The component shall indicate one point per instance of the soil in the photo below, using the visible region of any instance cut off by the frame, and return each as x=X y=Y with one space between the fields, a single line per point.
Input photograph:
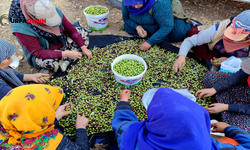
x=207 y=12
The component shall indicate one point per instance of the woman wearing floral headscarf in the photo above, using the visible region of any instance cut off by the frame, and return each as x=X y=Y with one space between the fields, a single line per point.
x=46 y=45
x=157 y=19
x=9 y=79
x=28 y=120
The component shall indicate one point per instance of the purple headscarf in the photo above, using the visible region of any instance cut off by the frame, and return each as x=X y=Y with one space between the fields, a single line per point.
x=174 y=122
x=147 y=5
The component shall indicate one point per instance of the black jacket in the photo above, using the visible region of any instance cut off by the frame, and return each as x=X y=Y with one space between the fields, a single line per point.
x=228 y=83
x=81 y=141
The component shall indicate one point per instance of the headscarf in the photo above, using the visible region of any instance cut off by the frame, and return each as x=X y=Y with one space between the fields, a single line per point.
x=7 y=75
x=239 y=26
x=147 y=5
x=27 y=115
x=18 y=10
x=174 y=122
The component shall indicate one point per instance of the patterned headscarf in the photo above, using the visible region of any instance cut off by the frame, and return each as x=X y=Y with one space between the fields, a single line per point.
x=27 y=115
x=7 y=75
x=18 y=10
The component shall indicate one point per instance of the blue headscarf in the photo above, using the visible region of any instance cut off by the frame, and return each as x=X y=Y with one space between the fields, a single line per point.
x=174 y=122
x=147 y=5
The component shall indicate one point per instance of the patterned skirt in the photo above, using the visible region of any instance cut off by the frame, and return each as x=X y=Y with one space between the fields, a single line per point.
x=237 y=94
x=55 y=64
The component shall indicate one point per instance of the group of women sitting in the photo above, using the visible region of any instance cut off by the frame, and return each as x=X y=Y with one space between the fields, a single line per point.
x=29 y=114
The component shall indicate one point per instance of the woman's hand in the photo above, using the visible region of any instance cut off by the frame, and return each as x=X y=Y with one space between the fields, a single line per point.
x=72 y=54
x=124 y=95
x=205 y=92
x=40 y=78
x=216 y=108
x=86 y=52
x=81 y=122
x=179 y=63
x=62 y=110
x=37 y=77
x=219 y=126
x=141 y=32
x=145 y=46
x=218 y=61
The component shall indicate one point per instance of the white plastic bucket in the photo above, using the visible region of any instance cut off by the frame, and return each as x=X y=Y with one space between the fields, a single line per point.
x=97 y=22
x=129 y=81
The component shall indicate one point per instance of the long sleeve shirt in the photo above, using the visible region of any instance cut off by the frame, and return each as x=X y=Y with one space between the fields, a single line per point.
x=5 y=88
x=228 y=83
x=32 y=44
x=81 y=141
x=204 y=37
x=123 y=117
x=242 y=137
x=160 y=24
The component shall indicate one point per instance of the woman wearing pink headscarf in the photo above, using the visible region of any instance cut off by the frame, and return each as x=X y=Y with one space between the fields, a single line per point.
x=46 y=45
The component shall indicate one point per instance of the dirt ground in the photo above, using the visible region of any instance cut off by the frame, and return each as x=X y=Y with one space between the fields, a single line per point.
x=207 y=12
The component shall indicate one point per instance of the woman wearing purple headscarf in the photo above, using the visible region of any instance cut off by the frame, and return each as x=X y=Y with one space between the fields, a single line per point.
x=174 y=123
x=156 y=20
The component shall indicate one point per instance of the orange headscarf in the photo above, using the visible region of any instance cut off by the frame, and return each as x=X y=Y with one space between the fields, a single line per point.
x=27 y=115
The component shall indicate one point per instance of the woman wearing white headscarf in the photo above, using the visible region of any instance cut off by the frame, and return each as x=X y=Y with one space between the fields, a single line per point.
x=55 y=42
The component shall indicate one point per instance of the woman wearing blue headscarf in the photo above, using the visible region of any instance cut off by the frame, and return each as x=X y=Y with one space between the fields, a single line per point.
x=174 y=123
x=157 y=19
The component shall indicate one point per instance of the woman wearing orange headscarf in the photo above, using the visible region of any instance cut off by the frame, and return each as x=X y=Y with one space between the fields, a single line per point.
x=28 y=120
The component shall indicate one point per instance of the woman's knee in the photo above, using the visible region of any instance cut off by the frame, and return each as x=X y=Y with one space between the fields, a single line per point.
x=180 y=30
x=208 y=79
x=129 y=30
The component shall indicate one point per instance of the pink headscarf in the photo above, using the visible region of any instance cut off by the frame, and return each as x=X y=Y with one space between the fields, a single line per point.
x=23 y=4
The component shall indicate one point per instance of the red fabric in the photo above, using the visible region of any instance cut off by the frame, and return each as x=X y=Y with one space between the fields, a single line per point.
x=248 y=81
x=228 y=140
x=202 y=51
x=231 y=46
x=71 y=30
x=35 y=48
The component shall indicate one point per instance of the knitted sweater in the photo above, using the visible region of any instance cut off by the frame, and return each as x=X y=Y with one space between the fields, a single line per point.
x=160 y=24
